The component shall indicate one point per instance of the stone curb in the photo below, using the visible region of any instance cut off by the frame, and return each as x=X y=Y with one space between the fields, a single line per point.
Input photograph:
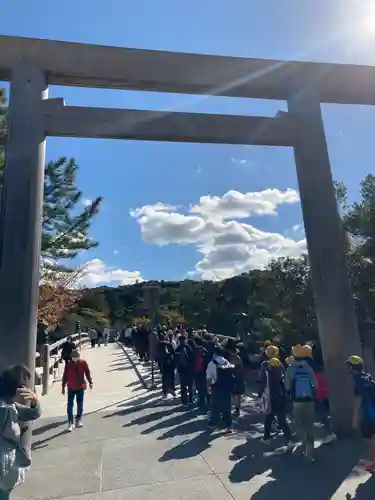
x=135 y=367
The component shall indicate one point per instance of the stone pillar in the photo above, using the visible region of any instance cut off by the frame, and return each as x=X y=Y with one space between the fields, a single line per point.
x=337 y=321
x=21 y=215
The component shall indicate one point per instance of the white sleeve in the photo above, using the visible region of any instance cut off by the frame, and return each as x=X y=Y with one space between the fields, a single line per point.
x=211 y=372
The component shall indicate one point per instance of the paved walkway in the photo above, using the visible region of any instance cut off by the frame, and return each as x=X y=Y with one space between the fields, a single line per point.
x=135 y=446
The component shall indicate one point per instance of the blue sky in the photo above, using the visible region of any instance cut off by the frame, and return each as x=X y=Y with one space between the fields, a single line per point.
x=165 y=241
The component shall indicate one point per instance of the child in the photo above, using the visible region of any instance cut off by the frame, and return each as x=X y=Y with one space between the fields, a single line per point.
x=270 y=352
x=274 y=398
x=289 y=361
x=364 y=404
x=322 y=404
x=301 y=384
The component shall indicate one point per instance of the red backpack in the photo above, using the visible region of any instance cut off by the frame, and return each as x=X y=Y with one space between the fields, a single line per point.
x=199 y=361
x=321 y=386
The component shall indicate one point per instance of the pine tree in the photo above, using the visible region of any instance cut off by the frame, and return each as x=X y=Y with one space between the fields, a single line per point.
x=65 y=228
x=65 y=231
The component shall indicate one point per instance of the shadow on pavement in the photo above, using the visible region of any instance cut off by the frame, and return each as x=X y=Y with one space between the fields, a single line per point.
x=191 y=447
x=288 y=474
x=136 y=404
x=267 y=469
x=47 y=427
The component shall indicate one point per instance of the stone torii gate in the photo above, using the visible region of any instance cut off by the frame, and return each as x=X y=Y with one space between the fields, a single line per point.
x=32 y=64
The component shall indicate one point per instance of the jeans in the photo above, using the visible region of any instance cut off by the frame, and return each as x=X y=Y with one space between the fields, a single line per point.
x=78 y=395
x=282 y=423
x=167 y=381
x=186 y=385
x=201 y=385
x=221 y=407
x=303 y=414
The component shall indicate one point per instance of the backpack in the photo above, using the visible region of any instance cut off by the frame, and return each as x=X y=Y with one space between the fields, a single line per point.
x=167 y=357
x=369 y=386
x=224 y=377
x=182 y=357
x=199 y=361
x=321 y=386
x=303 y=384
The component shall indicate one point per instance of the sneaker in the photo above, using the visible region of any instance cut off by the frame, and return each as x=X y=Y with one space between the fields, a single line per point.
x=228 y=430
x=79 y=424
x=70 y=427
x=290 y=446
x=330 y=438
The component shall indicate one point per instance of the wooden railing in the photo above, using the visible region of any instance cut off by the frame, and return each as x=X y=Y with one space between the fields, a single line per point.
x=49 y=360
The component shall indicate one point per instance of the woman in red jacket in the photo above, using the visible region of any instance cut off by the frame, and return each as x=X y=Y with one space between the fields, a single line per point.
x=75 y=375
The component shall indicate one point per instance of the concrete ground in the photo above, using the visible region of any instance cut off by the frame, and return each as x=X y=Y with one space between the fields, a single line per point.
x=135 y=446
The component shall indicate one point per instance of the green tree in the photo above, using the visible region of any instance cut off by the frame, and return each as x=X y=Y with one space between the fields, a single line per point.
x=359 y=224
x=65 y=227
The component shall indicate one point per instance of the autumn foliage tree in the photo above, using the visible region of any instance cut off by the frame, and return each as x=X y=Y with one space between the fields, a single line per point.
x=58 y=295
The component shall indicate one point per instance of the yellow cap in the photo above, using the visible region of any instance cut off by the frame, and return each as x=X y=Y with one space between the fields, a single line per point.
x=297 y=351
x=272 y=351
x=354 y=360
x=267 y=343
x=275 y=363
x=290 y=360
x=307 y=350
x=302 y=351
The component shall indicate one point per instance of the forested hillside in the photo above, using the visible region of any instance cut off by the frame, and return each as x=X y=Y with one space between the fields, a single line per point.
x=277 y=297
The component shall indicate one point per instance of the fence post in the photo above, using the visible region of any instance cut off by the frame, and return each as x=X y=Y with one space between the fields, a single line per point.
x=78 y=330
x=45 y=375
x=153 y=385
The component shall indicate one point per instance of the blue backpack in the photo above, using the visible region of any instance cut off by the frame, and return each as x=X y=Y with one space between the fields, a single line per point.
x=303 y=386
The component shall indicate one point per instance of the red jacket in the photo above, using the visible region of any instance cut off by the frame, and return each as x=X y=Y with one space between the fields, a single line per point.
x=74 y=375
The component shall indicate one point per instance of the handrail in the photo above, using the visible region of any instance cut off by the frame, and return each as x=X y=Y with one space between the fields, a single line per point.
x=60 y=342
x=49 y=360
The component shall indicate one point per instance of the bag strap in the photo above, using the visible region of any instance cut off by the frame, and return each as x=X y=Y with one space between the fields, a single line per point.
x=5 y=423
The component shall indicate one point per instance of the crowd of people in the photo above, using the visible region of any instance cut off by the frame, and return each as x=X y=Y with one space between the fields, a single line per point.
x=292 y=388
x=210 y=374
x=293 y=393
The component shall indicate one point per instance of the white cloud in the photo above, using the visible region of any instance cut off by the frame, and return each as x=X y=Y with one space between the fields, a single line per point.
x=116 y=252
x=86 y=202
x=297 y=228
x=97 y=273
x=227 y=247
x=238 y=161
x=236 y=205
